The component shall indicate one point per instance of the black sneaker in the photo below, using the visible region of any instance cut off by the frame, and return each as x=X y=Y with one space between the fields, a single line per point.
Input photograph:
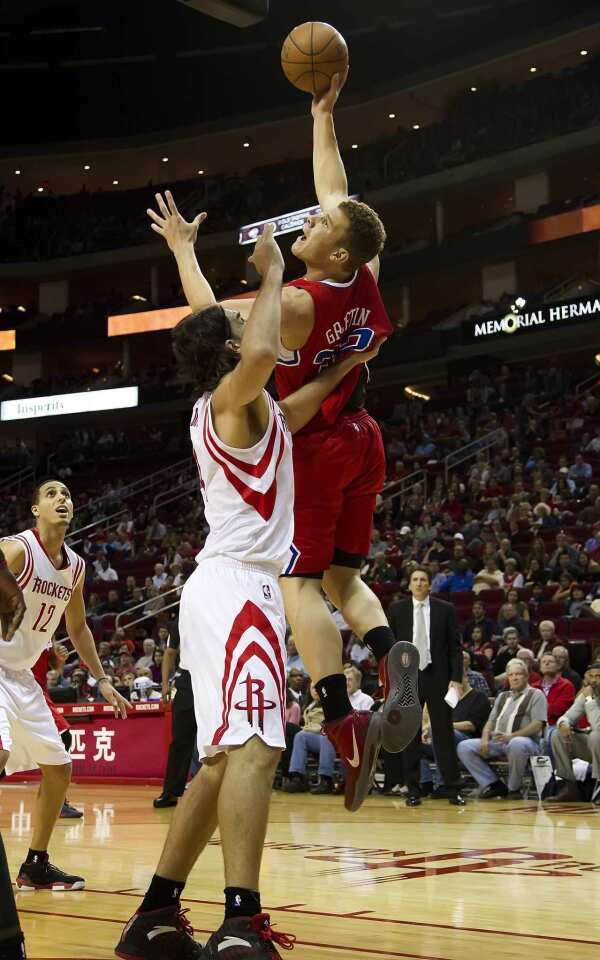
x=325 y=785
x=296 y=784
x=69 y=812
x=165 y=800
x=159 y=935
x=45 y=876
x=247 y=938
x=496 y=789
x=13 y=949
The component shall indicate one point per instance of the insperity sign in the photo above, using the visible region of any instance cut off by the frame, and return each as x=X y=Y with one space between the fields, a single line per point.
x=538 y=317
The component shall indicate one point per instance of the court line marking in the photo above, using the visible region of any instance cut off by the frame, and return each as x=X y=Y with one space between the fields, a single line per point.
x=300 y=943
x=403 y=923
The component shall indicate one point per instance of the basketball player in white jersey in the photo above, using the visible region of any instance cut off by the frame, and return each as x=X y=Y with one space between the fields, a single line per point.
x=50 y=576
x=231 y=619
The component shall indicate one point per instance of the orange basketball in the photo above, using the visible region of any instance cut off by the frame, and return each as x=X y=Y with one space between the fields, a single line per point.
x=311 y=54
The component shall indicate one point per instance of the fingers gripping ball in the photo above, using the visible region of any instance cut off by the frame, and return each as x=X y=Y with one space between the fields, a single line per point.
x=311 y=54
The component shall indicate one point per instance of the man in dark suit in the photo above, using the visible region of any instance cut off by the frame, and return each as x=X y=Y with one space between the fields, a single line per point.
x=432 y=627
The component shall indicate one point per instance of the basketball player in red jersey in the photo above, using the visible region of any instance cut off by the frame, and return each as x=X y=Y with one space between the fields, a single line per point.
x=339 y=461
x=50 y=576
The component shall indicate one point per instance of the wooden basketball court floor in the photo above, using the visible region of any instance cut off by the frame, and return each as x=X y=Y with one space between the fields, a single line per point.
x=494 y=879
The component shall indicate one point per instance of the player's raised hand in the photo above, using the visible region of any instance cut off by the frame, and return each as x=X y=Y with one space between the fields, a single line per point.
x=327 y=101
x=267 y=254
x=12 y=602
x=170 y=224
x=119 y=704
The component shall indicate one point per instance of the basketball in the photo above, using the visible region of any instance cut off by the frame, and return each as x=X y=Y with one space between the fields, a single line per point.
x=311 y=54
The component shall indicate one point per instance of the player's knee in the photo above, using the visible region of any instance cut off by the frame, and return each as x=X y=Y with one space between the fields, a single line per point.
x=59 y=774
x=264 y=759
x=4 y=755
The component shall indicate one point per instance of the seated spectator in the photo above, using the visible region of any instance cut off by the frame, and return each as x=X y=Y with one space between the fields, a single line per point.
x=561 y=655
x=358 y=699
x=311 y=739
x=160 y=576
x=570 y=743
x=54 y=680
x=509 y=618
x=130 y=585
x=478 y=619
x=112 y=604
x=104 y=571
x=293 y=714
x=512 y=732
x=490 y=577
x=439 y=576
x=581 y=473
x=512 y=577
x=146 y=660
x=563 y=590
x=559 y=693
x=537 y=597
x=577 y=605
x=525 y=656
x=511 y=644
x=547 y=640
x=512 y=596
x=566 y=566
x=469 y=717
x=297 y=682
x=80 y=684
x=136 y=599
x=476 y=679
x=156 y=665
x=359 y=652
x=461 y=580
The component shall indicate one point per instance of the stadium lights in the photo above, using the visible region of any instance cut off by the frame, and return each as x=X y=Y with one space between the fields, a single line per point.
x=40 y=189
x=244 y=283
x=17 y=173
x=246 y=144
x=392 y=116
x=473 y=89
x=355 y=146
x=584 y=53
x=200 y=172
x=164 y=159
x=8 y=378
x=138 y=296
x=533 y=69
x=115 y=183
x=86 y=166
x=415 y=395
x=22 y=309
x=597 y=359
x=416 y=126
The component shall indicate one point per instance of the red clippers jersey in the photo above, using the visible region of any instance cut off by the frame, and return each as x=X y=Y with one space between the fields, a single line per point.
x=348 y=316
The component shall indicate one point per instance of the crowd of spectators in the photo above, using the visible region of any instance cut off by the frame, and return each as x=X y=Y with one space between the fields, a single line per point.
x=474 y=125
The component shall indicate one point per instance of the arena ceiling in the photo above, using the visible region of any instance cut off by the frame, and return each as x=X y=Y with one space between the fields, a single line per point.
x=114 y=68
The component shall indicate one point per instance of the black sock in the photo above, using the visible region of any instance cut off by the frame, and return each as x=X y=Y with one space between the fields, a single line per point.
x=380 y=641
x=161 y=893
x=333 y=694
x=36 y=856
x=241 y=903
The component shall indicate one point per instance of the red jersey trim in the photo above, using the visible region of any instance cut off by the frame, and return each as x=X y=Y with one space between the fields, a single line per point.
x=25 y=575
x=263 y=503
x=249 y=616
x=78 y=570
x=252 y=469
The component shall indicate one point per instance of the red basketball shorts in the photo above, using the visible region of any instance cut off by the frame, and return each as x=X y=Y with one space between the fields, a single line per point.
x=338 y=473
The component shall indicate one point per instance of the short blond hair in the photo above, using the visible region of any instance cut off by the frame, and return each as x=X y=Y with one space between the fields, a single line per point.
x=365 y=237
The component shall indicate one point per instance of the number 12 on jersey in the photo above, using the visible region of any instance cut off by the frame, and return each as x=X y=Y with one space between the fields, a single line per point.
x=46 y=613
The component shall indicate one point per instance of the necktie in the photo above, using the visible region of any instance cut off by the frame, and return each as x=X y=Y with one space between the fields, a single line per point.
x=421 y=637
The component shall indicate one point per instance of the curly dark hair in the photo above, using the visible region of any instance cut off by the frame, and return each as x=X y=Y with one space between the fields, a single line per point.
x=199 y=345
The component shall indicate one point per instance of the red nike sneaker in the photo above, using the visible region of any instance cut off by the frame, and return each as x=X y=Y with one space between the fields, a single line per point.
x=402 y=713
x=357 y=739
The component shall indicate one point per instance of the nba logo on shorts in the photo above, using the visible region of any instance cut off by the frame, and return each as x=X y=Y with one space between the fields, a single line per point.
x=267 y=591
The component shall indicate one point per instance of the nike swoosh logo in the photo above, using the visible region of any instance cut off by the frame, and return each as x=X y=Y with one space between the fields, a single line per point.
x=233 y=942
x=356 y=758
x=156 y=931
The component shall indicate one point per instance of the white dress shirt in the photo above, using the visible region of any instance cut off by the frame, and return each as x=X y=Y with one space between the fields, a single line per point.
x=361 y=700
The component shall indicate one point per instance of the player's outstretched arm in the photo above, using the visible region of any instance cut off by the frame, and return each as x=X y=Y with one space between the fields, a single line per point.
x=180 y=236
x=301 y=406
x=331 y=183
x=83 y=641
x=260 y=343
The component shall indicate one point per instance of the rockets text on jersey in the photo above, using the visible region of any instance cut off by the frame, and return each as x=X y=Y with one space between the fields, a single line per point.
x=348 y=316
x=47 y=592
x=248 y=493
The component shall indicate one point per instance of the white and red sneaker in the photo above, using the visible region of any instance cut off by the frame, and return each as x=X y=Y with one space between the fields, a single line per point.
x=357 y=740
x=43 y=875
x=402 y=713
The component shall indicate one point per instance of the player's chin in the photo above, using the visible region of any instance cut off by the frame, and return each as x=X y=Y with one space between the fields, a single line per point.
x=299 y=248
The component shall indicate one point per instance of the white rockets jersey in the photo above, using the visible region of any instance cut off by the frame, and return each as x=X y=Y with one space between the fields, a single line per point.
x=47 y=592
x=248 y=494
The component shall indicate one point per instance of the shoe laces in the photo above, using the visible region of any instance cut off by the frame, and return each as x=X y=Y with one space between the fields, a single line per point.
x=262 y=925
x=184 y=923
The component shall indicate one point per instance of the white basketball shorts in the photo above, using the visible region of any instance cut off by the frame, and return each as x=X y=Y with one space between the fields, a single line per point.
x=232 y=641
x=27 y=728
